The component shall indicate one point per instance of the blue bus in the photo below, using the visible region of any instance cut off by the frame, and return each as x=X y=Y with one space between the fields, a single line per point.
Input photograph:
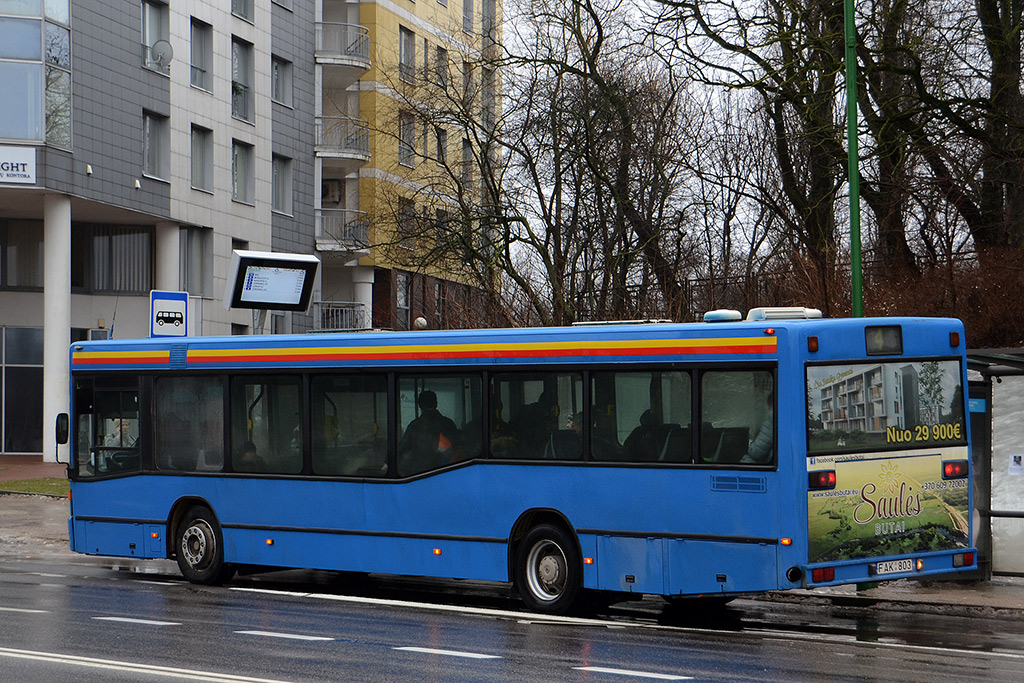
x=703 y=459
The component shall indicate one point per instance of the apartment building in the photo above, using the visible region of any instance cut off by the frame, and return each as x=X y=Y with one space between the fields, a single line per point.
x=142 y=141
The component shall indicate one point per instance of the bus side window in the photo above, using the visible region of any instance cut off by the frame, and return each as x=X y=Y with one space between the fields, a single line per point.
x=648 y=413
x=266 y=414
x=537 y=414
x=737 y=417
x=188 y=426
x=350 y=425
x=440 y=421
x=108 y=432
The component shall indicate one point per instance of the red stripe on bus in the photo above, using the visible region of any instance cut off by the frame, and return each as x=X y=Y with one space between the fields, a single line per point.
x=424 y=355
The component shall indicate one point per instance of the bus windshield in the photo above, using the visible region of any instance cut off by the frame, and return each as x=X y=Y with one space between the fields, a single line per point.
x=884 y=406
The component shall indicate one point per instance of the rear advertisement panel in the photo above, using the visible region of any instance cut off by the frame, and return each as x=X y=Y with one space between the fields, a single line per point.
x=887 y=429
x=887 y=504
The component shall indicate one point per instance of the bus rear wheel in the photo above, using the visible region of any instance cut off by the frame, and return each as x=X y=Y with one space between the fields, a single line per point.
x=547 y=570
x=199 y=548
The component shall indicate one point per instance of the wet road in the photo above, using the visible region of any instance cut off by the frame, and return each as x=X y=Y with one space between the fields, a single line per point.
x=66 y=617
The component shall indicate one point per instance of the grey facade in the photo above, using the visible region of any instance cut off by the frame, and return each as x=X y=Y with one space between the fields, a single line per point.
x=117 y=212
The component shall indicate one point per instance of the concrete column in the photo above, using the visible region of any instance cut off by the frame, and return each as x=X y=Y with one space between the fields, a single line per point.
x=362 y=289
x=167 y=275
x=57 y=317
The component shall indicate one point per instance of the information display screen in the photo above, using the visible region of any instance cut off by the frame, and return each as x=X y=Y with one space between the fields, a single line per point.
x=270 y=281
x=267 y=284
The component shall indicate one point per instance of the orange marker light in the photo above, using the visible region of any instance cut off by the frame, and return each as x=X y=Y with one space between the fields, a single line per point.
x=437 y=551
x=155 y=535
x=769 y=330
x=812 y=344
x=588 y=560
x=270 y=541
x=785 y=541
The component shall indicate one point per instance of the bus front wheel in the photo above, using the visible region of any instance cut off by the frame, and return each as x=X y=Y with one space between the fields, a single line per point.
x=199 y=548
x=547 y=570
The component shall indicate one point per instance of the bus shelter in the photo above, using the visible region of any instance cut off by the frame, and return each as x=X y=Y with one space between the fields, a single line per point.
x=996 y=381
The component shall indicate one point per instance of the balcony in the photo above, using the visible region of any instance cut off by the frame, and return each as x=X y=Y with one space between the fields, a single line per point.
x=342 y=231
x=341 y=315
x=344 y=52
x=342 y=143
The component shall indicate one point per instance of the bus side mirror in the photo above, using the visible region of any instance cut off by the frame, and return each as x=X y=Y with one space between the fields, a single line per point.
x=61 y=428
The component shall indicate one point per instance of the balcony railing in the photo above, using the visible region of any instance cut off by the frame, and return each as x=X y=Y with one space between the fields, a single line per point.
x=343 y=40
x=343 y=315
x=342 y=135
x=342 y=230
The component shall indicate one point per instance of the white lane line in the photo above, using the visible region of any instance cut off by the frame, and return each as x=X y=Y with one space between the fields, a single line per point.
x=447 y=653
x=144 y=622
x=131 y=667
x=634 y=674
x=24 y=611
x=274 y=634
x=549 y=619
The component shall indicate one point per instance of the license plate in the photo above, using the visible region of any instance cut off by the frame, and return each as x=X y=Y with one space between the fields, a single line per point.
x=894 y=566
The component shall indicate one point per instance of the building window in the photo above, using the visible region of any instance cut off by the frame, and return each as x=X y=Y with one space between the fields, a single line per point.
x=242 y=176
x=406 y=54
x=406 y=138
x=467 y=162
x=442 y=144
x=282 y=184
x=196 y=272
x=403 y=300
x=202 y=158
x=241 y=80
x=281 y=81
x=23 y=389
x=467 y=16
x=111 y=259
x=155 y=29
x=58 y=85
x=202 y=55
x=467 y=85
x=156 y=146
x=441 y=67
x=21 y=245
x=21 y=78
x=242 y=9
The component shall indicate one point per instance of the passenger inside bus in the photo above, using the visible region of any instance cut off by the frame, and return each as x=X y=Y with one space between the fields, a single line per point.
x=761 y=448
x=249 y=460
x=429 y=439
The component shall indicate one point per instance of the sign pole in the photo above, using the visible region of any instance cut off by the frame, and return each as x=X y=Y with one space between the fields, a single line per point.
x=857 y=302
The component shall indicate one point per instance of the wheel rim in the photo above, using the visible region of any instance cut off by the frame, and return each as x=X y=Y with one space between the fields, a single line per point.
x=198 y=545
x=546 y=572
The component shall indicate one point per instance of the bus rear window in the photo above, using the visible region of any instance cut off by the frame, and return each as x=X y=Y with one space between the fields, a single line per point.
x=873 y=406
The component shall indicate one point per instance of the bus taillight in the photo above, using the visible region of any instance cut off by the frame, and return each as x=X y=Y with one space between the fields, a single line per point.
x=954 y=469
x=963 y=560
x=823 y=574
x=822 y=480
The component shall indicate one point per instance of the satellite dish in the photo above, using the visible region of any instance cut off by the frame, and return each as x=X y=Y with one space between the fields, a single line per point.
x=162 y=53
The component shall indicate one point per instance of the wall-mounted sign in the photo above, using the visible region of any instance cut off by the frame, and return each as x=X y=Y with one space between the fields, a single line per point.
x=18 y=165
x=168 y=314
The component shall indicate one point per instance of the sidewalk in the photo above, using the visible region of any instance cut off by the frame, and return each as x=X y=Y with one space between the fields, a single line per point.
x=1003 y=597
x=16 y=467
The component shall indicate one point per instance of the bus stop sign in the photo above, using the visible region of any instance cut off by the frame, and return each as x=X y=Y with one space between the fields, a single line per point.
x=168 y=314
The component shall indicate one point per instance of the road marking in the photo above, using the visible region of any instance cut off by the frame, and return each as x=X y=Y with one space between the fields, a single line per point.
x=635 y=674
x=131 y=667
x=145 y=622
x=274 y=634
x=24 y=611
x=447 y=653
